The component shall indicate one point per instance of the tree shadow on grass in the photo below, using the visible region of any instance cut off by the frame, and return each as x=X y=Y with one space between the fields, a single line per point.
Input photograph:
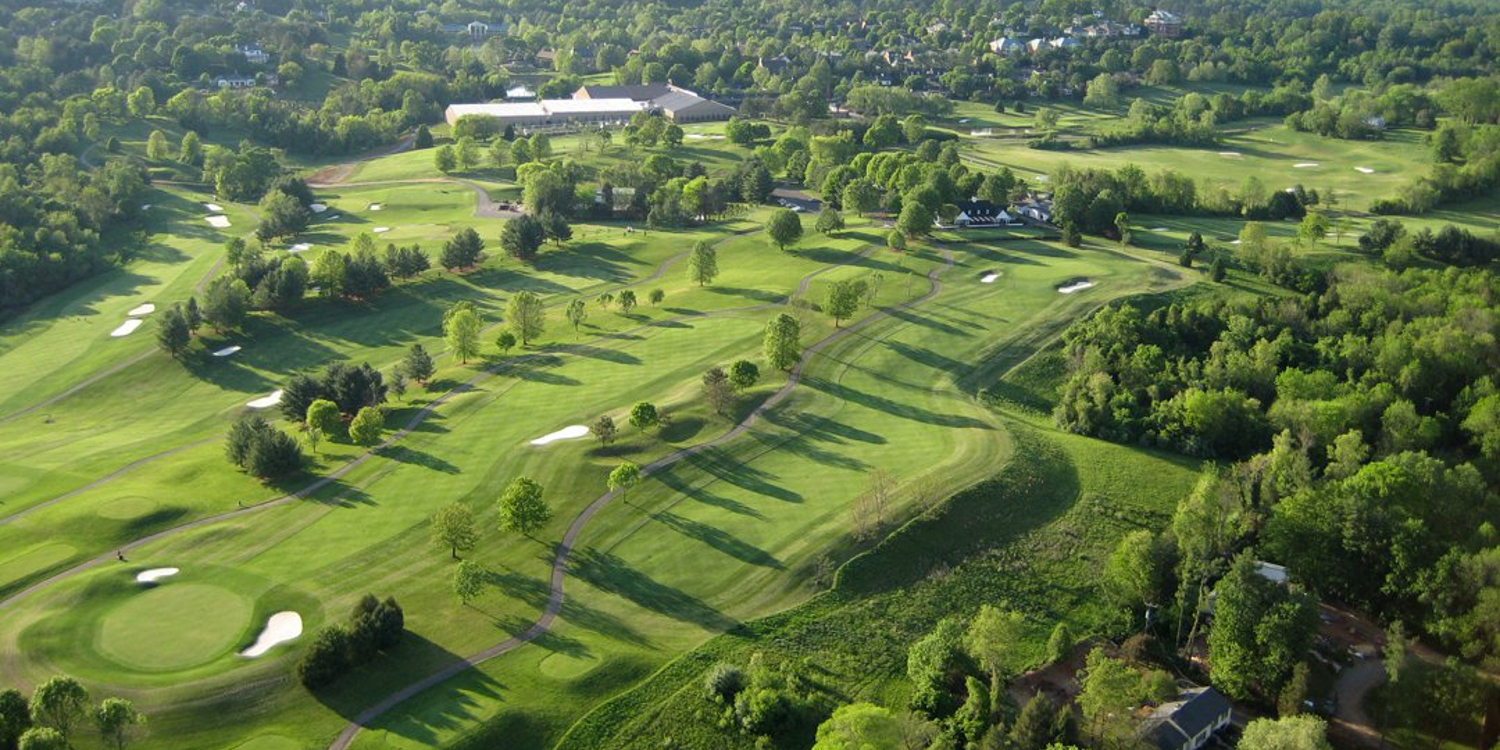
x=608 y=355
x=702 y=494
x=724 y=466
x=407 y=455
x=895 y=408
x=718 y=539
x=927 y=321
x=414 y=658
x=682 y=429
x=534 y=592
x=758 y=295
x=609 y=573
x=928 y=357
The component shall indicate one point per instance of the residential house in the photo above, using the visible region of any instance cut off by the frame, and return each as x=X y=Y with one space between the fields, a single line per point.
x=1189 y=722
x=1007 y=46
x=1035 y=206
x=1064 y=42
x=978 y=213
x=1164 y=23
x=475 y=29
x=237 y=81
x=253 y=53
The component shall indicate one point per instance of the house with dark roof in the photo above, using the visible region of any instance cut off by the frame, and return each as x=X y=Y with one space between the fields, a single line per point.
x=978 y=213
x=685 y=106
x=1189 y=722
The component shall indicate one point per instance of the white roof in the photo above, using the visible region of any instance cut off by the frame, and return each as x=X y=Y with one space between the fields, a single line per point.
x=589 y=106
x=499 y=109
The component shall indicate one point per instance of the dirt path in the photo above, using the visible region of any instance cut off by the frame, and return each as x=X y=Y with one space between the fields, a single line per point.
x=1353 y=686
x=565 y=548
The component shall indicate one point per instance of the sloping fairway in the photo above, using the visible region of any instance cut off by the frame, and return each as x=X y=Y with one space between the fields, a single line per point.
x=723 y=535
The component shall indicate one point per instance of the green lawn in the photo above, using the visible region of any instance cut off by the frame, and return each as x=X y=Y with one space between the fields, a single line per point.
x=730 y=540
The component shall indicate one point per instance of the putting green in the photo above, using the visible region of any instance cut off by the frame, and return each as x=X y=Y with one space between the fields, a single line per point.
x=566 y=666
x=174 y=626
x=132 y=506
x=269 y=742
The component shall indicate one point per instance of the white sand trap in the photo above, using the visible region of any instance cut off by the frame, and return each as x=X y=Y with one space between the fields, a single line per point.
x=1159 y=229
x=216 y=208
x=571 y=432
x=381 y=230
x=126 y=328
x=226 y=351
x=266 y=402
x=1304 y=165
x=989 y=278
x=331 y=217
x=1076 y=286
x=282 y=627
x=1231 y=154
x=1364 y=170
x=1235 y=242
x=145 y=206
x=317 y=208
x=218 y=222
x=1041 y=178
x=145 y=309
x=300 y=247
x=375 y=206
x=155 y=574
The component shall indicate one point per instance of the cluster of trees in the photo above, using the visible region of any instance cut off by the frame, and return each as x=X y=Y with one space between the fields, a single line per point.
x=360 y=273
x=1089 y=200
x=521 y=507
x=350 y=389
x=1366 y=417
x=1450 y=245
x=53 y=215
x=374 y=628
x=722 y=389
x=57 y=710
x=1468 y=166
x=254 y=445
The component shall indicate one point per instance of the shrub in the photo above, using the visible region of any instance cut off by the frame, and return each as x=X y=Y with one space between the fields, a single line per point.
x=723 y=682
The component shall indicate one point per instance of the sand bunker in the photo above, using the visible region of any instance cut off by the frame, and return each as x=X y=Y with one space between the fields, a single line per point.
x=267 y=401
x=1364 y=170
x=381 y=230
x=126 y=328
x=1159 y=229
x=989 y=278
x=375 y=206
x=331 y=217
x=145 y=309
x=1304 y=165
x=216 y=208
x=282 y=627
x=1232 y=154
x=1236 y=242
x=218 y=222
x=571 y=432
x=300 y=247
x=1076 y=286
x=226 y=351
x=145 y=206
x=155 y=574
x=318 y=208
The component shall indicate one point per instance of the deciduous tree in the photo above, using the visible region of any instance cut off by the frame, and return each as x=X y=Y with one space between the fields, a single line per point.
x=526 y=316
x=784 y=228
x=522 y=507
x=453 y=527
x=461 y=332
x=703 y=263
x=782 y=344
